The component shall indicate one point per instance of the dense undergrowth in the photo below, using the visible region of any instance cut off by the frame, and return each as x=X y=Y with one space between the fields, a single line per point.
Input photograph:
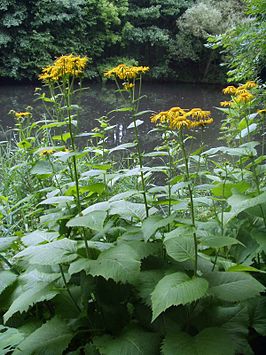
x=133 y=253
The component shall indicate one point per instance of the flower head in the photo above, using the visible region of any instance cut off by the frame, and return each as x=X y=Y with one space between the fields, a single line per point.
x=66 y=65
x=250 y=84
x=200 y=118
x=21 y=115
x=46 y=152
x=176 y=118
x=225 y=103
x=124 y=72
x=244 y=97
x=230 y=90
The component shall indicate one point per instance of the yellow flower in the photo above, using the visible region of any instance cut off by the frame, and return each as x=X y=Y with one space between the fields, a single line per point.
x=225 y=103
x=128 y=86
x=21 y=115
x=241 y=90
x=66 y=65
x=262 y=111
x=175 y=117
x=200 y=118
x=46 y=152
x=230 y=90
x=198 y=113
x=250 y=84
x=202 y=122
x=124 y=72
x=244 y=97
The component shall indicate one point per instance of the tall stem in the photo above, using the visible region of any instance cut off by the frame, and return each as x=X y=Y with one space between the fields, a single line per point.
x=67 y=288
x=192 y=212
x=222 y=219
x=135 y=110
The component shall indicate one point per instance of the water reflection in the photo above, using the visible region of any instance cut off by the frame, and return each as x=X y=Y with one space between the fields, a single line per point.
x=98 y=100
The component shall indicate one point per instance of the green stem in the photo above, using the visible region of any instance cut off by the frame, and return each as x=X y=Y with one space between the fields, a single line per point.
x=67 y=288
x=222 y=219
x=187 y=178
x=135 y=110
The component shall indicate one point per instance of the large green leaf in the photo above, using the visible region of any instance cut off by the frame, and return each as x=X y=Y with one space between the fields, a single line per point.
x=240 y=203
x=151 y=224
x=233 y=318
x=57 y=200
x=146 y=282
x=7 y=278
x=56 y=252
x=218 y=242
x=176 y=289
x=257 y=313
x=134 y=341
x=52 y=337
x=38 y=236
x=120 y=263
x=233 y=286
x=210 y=341
x=9 y=339
x=129 y=210
x=42 y=167
x=37 y=293
x=180 y=244
x=94 y=220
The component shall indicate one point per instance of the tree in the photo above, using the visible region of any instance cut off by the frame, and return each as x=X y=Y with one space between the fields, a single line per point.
x=244 y=46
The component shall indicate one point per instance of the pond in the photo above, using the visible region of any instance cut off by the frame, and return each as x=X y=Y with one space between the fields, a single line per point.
x=100 y=99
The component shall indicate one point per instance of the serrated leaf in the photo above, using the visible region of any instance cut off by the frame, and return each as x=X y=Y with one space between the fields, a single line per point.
x=37 y=293
x=240 y=203
x=52 y=337
x=219 y=242
x=42 y=167
x=9 y=339
x=120 y=263
x=233 y=286
x=179 y=244
x=7 y=278
x=56 y=252
x=38 y=236
x=57 y=200
x=94 y=220
x=128 y=210
x=124 y=195
x=134 y=341
x=146 y=283
x=257 y=312
x=209 y=341
x=176 y=289
x=151 y=224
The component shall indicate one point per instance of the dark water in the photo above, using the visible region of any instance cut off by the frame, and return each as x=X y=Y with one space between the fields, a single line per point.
x=98 y=100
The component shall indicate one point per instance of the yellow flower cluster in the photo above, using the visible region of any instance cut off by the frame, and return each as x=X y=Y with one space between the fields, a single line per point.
x=67 y=65
x=46 y=152
x=124 y=72
x=178 y=118
x=21 y=115
x=241 y=93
